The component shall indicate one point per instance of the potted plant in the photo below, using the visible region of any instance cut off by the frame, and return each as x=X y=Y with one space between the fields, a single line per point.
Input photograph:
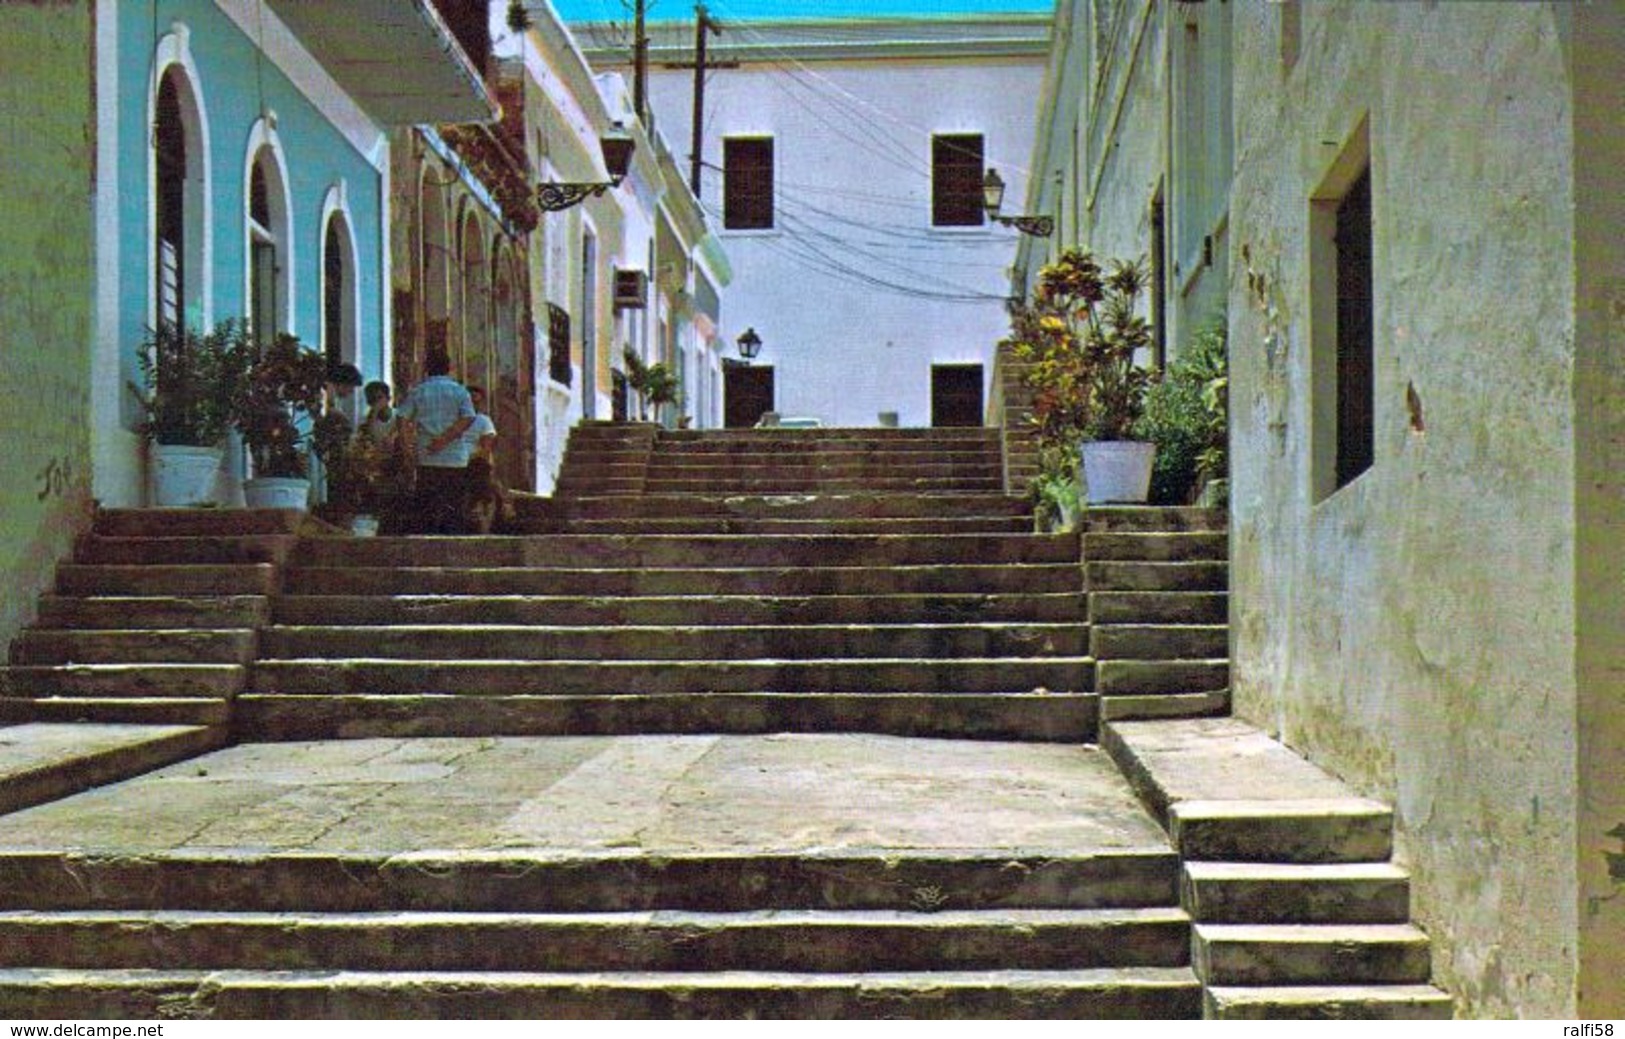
x=1187 y=416
x=655 y=384
x=355 y=468
x=1079 y=338
x=281 y=396
x=189 y=382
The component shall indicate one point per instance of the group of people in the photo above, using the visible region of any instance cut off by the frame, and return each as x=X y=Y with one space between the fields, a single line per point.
x=446 y=446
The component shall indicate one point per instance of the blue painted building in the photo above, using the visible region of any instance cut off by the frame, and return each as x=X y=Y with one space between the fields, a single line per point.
x=248 y=140
x=197 y=160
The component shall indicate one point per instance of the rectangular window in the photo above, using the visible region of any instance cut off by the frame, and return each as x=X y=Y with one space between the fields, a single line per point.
x=956 y=180
x=1354 y=332
x=1342 y=320
x=747 y=180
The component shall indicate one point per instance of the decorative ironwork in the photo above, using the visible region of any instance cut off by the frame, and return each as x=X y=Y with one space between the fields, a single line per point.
x=1037 y=226
x=555 y=197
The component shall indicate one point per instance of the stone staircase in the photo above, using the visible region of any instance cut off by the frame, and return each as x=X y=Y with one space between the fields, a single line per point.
x=1157 y=583
x=796 y=723
x=748 y=582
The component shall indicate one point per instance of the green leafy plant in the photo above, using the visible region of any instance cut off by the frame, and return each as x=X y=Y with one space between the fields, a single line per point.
x=355 y=464
x=190 y=382
x=655 y=384
x=1078 y=339
x=281 y=396
x=1186 y=414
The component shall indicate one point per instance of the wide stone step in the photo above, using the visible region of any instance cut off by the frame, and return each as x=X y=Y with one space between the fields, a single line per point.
x=1165 y=706
x=678 y=438
x=755 y=527
x=1327 y=1002
x=1310 y=954
x=173 y=646
x=1153 y=519
x=763 y=940
x=1051 y=608
x=1346 y=829
x=1271 y=893
x=816 y=484
x=1157 y=577
x=1028 y=717
x=772 y=465
x=1159 y=677
x=787 y=581
x=1158 y=547
x=1127 y=993
x=155 y=550
x=833 y=454
x=45 y=761
x=135 y=710
x=1158 y=607
x=1159 y=641
x=688 y=643
x=605 y=879
x=153 y=612
x=1280 y=808
x=692 y=551
x=780 y=506
x=188 y=580
x=138 y=523
x=630 y=677
x=109 y=681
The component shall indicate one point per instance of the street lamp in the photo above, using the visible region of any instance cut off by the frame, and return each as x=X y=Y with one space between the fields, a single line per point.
x=993 y=199
x=617 y=146
x=750 y=344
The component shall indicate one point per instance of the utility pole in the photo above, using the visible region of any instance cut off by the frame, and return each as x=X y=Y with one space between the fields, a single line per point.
x=702 y=25
x=640 y=65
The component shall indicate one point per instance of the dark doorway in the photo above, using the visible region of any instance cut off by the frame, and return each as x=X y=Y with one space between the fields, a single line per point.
x=956 y=395
x=747 y=392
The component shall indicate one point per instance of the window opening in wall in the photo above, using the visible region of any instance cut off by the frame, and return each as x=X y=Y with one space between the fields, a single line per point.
x=265 y=232
x=1159 y=281
x=956 y=180
x=558 y=344
x=1352 y=241
x=338 y=293
x=956 y=395
x=1342 y=327
x=169 y=143
x=589 y=326
x=747 y=198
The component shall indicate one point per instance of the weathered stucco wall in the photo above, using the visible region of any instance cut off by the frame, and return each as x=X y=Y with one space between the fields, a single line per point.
x=1597 y=59
x=1415 y=630
x=46 y=264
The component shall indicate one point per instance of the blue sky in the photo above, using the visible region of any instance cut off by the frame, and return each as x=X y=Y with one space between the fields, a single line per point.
x=683 y=10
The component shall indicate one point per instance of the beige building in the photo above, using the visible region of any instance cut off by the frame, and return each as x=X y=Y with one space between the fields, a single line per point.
x=1413 y=215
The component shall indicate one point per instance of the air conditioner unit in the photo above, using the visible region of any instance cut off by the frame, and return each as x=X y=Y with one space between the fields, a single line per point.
x=631 y=290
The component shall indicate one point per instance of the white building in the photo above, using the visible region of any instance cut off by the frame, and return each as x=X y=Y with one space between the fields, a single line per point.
x=843 y=162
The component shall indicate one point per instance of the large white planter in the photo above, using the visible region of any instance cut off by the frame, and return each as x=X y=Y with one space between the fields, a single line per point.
x=183 y=475
x=277 y=492
x=1117 y=471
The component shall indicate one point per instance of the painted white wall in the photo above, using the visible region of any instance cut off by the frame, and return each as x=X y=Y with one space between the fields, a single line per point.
x=852 y=155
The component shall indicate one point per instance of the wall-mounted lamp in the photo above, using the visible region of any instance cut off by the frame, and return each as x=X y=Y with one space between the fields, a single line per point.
x=750 y=344
x=993 y=199
x=618 y=146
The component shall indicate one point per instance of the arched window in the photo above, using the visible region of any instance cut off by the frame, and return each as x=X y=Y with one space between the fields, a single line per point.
x=338 y=291
x=270 y=307
x=179 y=171
x=432 y=261
x=475 y=302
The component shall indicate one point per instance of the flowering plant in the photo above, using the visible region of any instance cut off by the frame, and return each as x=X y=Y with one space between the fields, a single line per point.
x=1079 y=337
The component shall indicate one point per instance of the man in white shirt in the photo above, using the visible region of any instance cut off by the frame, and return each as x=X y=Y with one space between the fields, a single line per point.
x=435 y=415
